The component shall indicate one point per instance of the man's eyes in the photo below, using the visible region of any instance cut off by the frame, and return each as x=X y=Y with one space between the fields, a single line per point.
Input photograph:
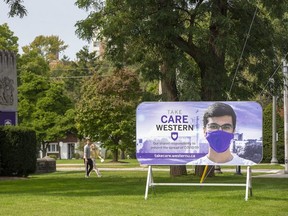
x=214 y=126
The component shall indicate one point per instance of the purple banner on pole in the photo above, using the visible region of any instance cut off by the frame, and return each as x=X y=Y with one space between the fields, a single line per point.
x=7 y=118
x=176 y=133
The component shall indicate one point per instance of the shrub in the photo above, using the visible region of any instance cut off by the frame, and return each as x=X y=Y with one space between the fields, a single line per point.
x=76 y=156
x=17 y=151
x=53 y=156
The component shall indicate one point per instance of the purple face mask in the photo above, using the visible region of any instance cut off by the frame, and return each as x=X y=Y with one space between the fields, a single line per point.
x=219 y=140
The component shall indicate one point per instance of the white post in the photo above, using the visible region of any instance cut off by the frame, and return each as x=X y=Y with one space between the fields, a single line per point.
x=248 y=183
x=274 y=148
x=148 y=182
x=285 y=73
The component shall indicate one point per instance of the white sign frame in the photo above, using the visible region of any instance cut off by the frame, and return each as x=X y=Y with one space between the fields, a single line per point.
x=248 y=185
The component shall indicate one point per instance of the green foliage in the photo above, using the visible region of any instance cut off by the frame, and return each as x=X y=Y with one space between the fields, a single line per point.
x=150 y=90
x=44 y=107
x=16 y=8
x=53 y=156
x=267 y=136
x=54 y=100
x=72 y=74
x=33 y=62
x=106 y=110
x=84 y=67
x=49 y=47
x=43 y=104
x=207 y=35
x=7 y=39
x=17 y=151
x=76 y=156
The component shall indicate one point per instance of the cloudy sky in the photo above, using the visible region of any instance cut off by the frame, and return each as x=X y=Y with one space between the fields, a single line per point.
x=47 y=17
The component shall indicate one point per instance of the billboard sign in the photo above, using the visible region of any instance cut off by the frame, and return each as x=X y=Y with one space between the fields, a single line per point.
x=199 y=133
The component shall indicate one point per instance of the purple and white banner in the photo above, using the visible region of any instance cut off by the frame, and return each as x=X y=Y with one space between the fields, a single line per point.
x=7 y=118
x=173 y=133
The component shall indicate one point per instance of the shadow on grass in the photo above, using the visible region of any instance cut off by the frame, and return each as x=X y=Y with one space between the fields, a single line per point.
x=73 y=184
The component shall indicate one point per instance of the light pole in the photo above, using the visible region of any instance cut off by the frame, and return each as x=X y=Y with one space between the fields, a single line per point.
x=285 y=73
x=274 y=148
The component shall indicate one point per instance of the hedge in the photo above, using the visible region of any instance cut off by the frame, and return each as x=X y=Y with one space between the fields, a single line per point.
x=18 y=152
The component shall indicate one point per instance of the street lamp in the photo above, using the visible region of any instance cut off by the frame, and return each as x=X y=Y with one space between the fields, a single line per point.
x=285 y=74
x=274 y=148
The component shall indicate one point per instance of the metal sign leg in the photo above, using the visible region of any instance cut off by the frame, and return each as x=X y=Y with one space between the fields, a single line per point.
x=248 y=183
x=148 y=182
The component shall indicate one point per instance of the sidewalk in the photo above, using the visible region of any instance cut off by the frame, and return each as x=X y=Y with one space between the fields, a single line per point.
x=80 y=167
x=267 y=173
x=279 y=174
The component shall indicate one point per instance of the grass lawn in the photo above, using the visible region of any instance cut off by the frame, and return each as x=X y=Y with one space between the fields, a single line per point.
x=122 y=193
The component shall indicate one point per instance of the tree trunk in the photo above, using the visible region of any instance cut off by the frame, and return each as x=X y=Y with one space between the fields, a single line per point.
x=169 y=93
x=178 y=170
x=115 y=155
x=168 y=83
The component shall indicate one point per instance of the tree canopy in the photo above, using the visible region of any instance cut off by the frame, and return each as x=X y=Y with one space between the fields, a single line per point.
x=43 y=107
x=106 y=110
x=210 y=34
x=43 y=103
x=47 y=46
x=7 y=39
x=199 y=50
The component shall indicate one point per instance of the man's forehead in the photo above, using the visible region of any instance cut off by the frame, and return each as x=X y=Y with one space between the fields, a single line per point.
x=222 y=119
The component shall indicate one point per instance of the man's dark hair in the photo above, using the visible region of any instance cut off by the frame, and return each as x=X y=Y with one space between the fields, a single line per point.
x=219 y=109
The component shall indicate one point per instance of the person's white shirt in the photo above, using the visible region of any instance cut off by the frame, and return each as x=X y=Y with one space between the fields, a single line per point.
x=236 y=160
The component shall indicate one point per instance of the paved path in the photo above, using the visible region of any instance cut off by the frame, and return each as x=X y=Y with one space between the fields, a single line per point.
x=278 y=174
x=267 y=173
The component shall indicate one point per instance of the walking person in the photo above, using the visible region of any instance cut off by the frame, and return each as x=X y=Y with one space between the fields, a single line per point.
x=87 y=157
x=94 y=155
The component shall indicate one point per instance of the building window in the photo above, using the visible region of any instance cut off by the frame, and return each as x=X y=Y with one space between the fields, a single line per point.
x=52 y=148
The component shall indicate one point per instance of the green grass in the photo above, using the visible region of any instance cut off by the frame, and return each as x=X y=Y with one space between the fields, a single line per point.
x=122 y=193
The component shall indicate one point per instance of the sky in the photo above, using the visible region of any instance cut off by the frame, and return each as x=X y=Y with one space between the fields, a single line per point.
x=47 y=17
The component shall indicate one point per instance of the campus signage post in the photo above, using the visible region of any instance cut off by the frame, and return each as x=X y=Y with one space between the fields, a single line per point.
x=173 y=133
x=7 y=118
x=8 y=88
x=285 y=94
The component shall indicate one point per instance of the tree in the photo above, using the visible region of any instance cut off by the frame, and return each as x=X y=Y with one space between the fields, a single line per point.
x=7 y=39
x=47 y=46
x=73 y=73
x=33 y=62
x=45 y=108
x=16 y=8
x=106 y=110
x=210 y=35
x=43 y=105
